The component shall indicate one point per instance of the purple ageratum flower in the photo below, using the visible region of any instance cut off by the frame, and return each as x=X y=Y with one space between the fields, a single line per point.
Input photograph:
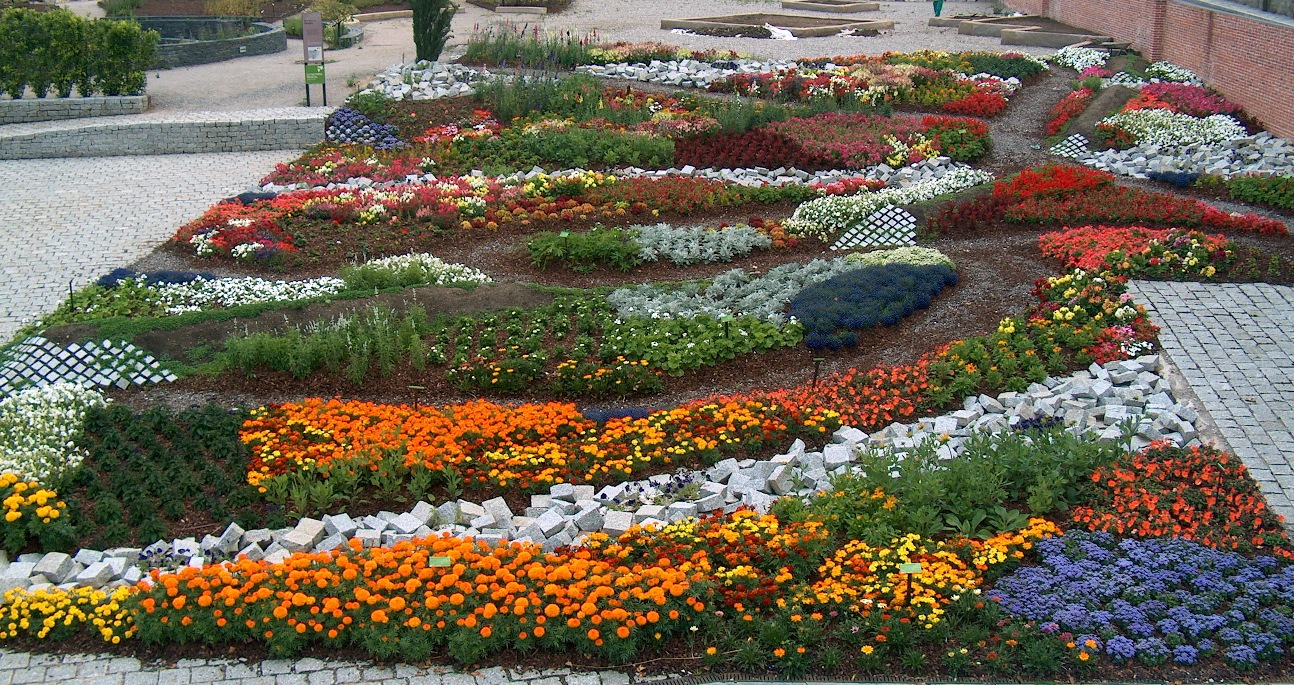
x=1144 y=595
x=1120 y=648
x=1185 y=654
x=1152 y=651
x=1241 y=656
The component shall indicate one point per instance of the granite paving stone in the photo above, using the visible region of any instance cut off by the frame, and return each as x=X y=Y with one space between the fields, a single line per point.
x=94 y=214
x=108 y=669
x=1233 y=344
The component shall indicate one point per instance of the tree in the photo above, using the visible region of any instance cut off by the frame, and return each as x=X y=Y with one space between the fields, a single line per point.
x=335 y=12
x=431 y=24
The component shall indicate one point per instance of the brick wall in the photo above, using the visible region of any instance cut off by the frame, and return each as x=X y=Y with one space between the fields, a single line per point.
x=1248 y=60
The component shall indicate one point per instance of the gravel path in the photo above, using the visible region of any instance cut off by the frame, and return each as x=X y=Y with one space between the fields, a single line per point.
x=634 y=20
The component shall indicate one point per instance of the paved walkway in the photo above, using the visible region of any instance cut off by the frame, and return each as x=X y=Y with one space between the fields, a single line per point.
x=1234 y=345
x=73 y=220
x=20 y=667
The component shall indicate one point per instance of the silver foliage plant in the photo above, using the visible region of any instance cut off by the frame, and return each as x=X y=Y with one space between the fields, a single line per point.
x=685 y=245
x=732 y=293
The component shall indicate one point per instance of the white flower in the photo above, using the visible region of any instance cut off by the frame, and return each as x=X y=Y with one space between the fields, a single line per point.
x=39 y=426
x=827 y=217
x=225 y=293
x=1077 y=58
x=1166 y=128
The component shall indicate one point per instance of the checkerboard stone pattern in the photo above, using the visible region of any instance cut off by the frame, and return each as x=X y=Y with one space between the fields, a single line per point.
x=1234 y=345
x=888 y=226
x=37 y=361
x=1073 y=147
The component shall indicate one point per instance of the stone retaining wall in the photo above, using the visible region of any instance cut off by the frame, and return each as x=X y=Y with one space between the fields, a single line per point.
x=52 y=108
x=269 y=39
x=281 y=129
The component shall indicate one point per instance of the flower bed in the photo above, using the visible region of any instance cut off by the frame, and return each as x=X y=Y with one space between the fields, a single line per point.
x=907 y=549
x=1067 y=194
x=955 y=82
x=832 y=141
x=1145 y=253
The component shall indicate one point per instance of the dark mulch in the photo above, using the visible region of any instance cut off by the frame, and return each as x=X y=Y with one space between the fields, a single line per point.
x=997 y=271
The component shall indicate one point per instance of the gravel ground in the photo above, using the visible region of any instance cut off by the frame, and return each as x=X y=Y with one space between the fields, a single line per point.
x=634 y=20
x=276 y=80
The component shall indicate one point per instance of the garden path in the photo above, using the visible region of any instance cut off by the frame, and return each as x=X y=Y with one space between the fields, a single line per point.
x=1233 y=343
x=107 y=669
x=73 y=220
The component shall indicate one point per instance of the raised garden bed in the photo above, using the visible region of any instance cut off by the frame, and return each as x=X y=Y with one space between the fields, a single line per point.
x=752 y=25
x=842 y=6
x=200 y=40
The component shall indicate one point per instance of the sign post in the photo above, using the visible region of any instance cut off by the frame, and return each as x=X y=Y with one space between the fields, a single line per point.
x=313 y=46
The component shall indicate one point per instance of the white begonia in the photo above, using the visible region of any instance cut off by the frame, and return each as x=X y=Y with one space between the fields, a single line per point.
x=439 y=271
x=1077 y=58
x=1167 y=71
x=39 y=426
x=828 y=217
x=1170 y=129
x=203 y=244
x=245 y=251
x=224 y=293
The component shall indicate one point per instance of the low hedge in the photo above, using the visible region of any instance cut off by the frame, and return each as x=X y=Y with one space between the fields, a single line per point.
x=61 y=51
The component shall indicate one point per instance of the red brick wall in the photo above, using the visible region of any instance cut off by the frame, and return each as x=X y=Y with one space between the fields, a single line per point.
x=1030 y=6
x=1247 y=60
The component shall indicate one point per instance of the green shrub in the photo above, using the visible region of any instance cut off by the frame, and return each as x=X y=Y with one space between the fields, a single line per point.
x=120 y=8
x=577 y=96
x=511 y=46
x=997 y=482
x=1277 y=191
x=372 y=104
x=293 y=26
x=61 y=50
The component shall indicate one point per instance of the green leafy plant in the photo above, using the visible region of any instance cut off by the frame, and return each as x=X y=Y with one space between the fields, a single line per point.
x=582 y=252
x=431 y=25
